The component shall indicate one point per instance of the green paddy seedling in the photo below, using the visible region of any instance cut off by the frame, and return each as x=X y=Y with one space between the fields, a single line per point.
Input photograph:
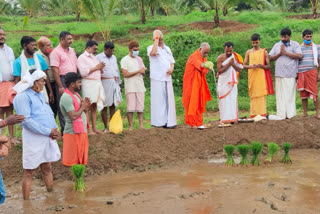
x=273 y=148
x=78 y=171
x=229 y=150
x=243 y=150
x=286 y=158
x=256 y=148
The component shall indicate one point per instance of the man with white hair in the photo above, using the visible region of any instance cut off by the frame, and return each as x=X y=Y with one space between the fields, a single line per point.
x=196 y=92
x=39 y=130
x=163 y=109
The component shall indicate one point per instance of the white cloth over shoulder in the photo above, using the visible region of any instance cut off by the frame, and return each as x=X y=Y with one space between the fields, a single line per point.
x=38 y=149
x=25 y=69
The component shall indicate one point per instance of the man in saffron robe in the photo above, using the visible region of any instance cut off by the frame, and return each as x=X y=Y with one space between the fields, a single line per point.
x=228 y=66
x=195 y=88
x=259 y=77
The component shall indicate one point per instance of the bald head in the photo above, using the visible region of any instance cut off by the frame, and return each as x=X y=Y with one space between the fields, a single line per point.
x=204 y=49
x=44 y=44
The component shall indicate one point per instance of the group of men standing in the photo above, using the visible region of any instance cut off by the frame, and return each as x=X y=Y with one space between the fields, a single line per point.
x=36 y=81
x=296 y=68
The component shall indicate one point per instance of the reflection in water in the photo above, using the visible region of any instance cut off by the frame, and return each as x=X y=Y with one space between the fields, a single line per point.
x=204 y=188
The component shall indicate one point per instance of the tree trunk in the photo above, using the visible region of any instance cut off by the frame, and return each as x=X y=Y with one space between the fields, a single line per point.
x=216 y=17
x=142 y=13
x=225 y=10
x=152 y=8
x=78 y=16
x=314 y=11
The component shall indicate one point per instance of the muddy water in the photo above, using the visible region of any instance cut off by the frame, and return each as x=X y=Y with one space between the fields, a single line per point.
x=198 y=188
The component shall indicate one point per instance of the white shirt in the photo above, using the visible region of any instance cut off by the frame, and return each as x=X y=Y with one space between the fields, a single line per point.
x=160 y=64
x=134 y=83
x=111 y=68
x=6 y=63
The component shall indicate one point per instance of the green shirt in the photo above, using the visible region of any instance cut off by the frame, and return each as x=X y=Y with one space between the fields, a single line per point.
x=66 y=105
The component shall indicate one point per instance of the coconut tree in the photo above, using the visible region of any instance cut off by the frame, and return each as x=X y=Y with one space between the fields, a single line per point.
x=76 y=6
x=100 y=11
x=31 y=6
x=58 y=7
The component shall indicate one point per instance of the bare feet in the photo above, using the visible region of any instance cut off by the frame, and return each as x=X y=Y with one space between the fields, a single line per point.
x=130 y=128
x=318 y=116
x=97 y=131
x=91 y=132
x=106 y=131
x=14 y=141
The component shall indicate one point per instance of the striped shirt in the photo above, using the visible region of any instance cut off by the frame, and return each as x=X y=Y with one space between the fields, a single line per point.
x=307 y=63
x=285 y=66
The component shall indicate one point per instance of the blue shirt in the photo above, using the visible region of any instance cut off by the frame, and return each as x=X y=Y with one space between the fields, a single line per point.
x=31 y=63
x=38 y=114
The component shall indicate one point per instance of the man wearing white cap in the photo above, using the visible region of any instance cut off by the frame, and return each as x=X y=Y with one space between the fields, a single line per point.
x=163 y=109
x=39 y=129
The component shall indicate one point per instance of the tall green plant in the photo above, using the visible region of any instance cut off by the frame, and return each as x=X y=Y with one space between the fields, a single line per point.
x=100 y=11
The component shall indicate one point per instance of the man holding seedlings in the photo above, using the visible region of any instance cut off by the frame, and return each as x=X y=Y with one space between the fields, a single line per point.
x=63 y=60
x=308 y=73
x=133 y=71
x=287 y=54
x=229 y=65
x=163 y=108
x=196 y=92
x=39 y=130
x=259 y=81
x=73 y=108
x=111 y=81
x=90 y=69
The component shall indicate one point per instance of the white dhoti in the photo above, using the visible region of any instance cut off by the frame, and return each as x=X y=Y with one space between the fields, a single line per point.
x=94 y=91
x=228 y=106
x=163 y=107
x=228 y=93
x=112 y=92
x=38 y=149
x=286 y=97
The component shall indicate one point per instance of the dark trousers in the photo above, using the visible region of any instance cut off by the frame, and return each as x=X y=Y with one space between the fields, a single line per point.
x=61 y=118
x=54 y=106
